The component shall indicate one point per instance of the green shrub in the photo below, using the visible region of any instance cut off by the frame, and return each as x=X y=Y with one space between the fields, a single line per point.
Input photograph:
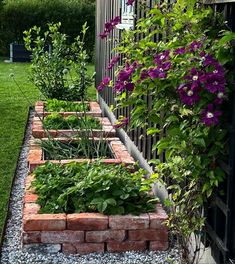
x=19 y=15
x=62 y=72
x=92 y=187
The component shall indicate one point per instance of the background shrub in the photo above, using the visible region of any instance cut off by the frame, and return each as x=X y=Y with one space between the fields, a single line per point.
x=17 y=16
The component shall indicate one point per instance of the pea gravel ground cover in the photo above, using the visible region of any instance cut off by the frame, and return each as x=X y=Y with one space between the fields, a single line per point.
x=13 y=253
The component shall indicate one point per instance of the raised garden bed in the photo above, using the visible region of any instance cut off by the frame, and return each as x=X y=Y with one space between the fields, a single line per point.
x=106 y=129
x=118 y=150
x=85 y=233
x=93 y=109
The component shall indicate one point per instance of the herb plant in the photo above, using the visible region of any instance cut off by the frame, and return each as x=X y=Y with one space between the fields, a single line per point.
x=57 y=121
x=60 y=73
x=92 y=187
x=84 y=148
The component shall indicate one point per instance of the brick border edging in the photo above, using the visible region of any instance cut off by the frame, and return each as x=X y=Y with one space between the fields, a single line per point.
x=39 y=132
x=92 y=232
x=121 y=154
x=95 y=110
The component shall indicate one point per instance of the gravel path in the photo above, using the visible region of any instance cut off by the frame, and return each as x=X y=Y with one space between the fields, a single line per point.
x=13 y=253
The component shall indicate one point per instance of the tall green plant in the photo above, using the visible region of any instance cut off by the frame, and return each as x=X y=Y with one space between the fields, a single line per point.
x=61 y=72
x=184 y=73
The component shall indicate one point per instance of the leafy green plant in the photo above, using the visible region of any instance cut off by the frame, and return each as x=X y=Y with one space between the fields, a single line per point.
x=57 y=121
x=54 y=105
x=92 y=187
x=60 y=73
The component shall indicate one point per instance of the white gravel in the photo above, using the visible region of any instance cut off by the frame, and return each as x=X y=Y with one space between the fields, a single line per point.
x=13 y=253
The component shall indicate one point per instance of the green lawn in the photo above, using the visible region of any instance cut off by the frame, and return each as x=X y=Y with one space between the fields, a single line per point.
x=13 y=117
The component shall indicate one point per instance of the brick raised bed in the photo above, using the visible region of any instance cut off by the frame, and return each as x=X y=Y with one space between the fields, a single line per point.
x=121 y=155
x=92 y=232
x=94 y=110
x=38 y=131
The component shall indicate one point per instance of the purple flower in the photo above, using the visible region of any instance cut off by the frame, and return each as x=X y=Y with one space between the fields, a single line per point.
x=156 y=73
x=129 y=86
x=162 y=57
x=180 y=51
x=103 y=35
x=215 y=83
x=109 y=26
x=124 y=75
x=130 y=2
x=104 y=82
x=219 y=98
x=116 y=20
x=113 y=61
x=195 y=45
x=196 y=76
x=121 y=123
x=144 y=75
x=210 y=116
x=188 y=93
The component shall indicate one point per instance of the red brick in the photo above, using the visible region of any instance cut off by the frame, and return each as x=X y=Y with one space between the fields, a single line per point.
x=69 y=249
x=148 y=234
x=83 y=248
x=31 y=208
x=87 y=221
x=105 y=236
x=158 y=245
x=157 y=219
x=126 y=246
x=55 y=237
x=35 y=154
x=44 y=222
x=31 y=237
x=30 y=197
x=39 y=103
x=129 y=222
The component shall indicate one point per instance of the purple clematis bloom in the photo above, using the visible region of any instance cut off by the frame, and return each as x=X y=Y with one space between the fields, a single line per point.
x=195 y=45
x=130 y=2
x=188 y=93
x=196 y=76
x=210 y=116
x=180 y=51
x=219 y=98
x=113 y=61
x=215 y=83
x=104 y=82
x=124 y=75
x=155 y=73
x=144 y=75
x=121 y=123
x=162 y=57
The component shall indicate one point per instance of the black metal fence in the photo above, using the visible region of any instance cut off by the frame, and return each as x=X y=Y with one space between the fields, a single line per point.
x=221 y=212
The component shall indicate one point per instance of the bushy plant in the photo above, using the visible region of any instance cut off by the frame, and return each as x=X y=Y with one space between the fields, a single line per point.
x=57 y=121
x=92 y=187
x=60 y=73
x=185 y=75
x=20 y=15
x=54 y=105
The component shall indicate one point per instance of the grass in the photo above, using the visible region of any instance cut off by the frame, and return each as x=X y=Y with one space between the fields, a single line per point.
x=13 y=117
